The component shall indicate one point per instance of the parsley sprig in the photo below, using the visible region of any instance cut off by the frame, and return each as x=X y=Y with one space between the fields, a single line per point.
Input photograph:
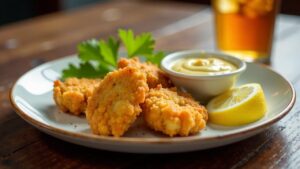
x=98 y=57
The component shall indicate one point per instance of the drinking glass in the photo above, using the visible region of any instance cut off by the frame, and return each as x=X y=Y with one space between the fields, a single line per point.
x=244 y=28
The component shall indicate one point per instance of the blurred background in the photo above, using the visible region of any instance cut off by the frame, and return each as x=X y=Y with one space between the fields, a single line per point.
x=16 y=10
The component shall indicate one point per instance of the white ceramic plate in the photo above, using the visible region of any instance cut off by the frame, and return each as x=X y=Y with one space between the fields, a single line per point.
x=31 y=97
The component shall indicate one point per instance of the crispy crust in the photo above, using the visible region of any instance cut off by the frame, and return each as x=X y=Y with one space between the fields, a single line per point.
x=71 y=96
x=173 y=113
x=115 y=103
x=154 y=75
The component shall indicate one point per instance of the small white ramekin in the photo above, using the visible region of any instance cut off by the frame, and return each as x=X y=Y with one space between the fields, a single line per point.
x=203 y=87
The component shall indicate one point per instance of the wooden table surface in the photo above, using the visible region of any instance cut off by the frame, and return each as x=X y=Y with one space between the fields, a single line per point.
x=27 y=44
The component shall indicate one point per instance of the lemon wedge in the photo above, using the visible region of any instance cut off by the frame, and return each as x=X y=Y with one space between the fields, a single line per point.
x=238 y=106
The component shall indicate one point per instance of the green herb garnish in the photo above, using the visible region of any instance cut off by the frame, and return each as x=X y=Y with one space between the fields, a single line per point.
x=98 y=57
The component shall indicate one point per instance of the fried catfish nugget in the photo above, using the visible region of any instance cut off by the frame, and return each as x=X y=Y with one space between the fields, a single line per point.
x=115 y=103
x=173 y=113
x=154 y=75
x=71 y=96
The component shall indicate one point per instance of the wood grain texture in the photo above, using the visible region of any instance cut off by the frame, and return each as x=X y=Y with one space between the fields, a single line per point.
x=58 y=30
x=176 y=26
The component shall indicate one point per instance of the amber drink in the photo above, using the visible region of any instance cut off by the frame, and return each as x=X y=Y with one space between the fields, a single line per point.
x=244 y=28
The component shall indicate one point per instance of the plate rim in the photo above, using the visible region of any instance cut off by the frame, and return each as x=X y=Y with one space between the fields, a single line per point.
x=136 y=140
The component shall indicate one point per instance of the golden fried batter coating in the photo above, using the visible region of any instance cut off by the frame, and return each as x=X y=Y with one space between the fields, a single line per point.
x=173 y=113
x=115 y=103
x=154 y=75
x=71 y=96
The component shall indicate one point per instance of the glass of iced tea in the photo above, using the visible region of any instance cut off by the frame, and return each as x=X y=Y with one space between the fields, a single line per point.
x=244 y=28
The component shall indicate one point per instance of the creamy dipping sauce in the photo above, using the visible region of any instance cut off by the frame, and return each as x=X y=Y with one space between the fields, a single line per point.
x=203 y=66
